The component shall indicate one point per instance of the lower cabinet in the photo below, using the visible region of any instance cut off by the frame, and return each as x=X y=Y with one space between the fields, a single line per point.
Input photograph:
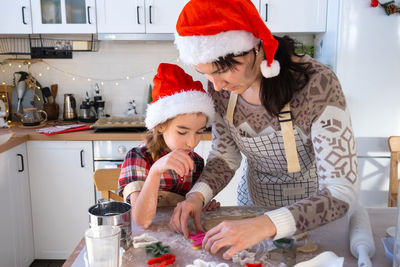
x=62 y=190
x=16 y=237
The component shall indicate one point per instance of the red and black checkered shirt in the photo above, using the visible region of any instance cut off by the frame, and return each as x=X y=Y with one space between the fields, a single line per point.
x=138 y=162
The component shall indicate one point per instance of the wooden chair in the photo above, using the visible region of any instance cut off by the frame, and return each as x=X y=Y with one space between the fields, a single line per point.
x=394 y=146
x=106 y=181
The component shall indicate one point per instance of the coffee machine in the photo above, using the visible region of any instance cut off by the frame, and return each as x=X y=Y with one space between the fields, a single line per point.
x=69 y=107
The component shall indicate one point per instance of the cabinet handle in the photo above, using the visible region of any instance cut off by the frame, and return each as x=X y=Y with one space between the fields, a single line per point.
x=82 y=164
x=23 y=15
x=22 y=162
x=150 y=14
x=88 y=14
x=266 y=12
x=137 y=14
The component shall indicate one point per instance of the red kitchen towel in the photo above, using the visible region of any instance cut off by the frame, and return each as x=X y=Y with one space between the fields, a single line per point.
x=63 y=129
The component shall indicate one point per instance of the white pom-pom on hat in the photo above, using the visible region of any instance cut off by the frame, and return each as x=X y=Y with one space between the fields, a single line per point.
x=270 y=71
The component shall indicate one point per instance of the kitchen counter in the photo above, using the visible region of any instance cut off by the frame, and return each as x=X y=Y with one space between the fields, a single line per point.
x=331 y=237
x=22 y=135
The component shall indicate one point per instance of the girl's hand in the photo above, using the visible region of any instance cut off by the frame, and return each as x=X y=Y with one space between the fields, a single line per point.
x=212 y=205
x=238 y=235
x=190 y=207
x=177 y=160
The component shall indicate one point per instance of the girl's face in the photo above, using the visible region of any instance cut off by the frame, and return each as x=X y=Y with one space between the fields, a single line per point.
x=184 y=131
x=237 y=80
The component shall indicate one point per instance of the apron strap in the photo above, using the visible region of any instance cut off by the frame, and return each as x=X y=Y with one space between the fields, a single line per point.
x=285 y=119
x=231 y=107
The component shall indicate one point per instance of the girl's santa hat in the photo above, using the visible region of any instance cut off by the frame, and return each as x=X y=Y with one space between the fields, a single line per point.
x=209 y=29
x=175 y=93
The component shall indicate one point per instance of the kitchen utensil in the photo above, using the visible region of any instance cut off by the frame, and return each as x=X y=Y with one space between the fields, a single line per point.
x=69 y=107
x=46 y=94
x=54 y=90
x=113 y=213
x=32 y=117
x=362 y=244
x=102 y=245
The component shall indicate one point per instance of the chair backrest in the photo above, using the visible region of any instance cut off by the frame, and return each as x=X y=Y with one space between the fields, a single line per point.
x=106 y=181
x=394 y=146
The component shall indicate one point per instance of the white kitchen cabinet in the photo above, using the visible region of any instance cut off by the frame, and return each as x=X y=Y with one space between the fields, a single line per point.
x=291 y=16
x=63 y=16
x=15 y=17
x=62 y=190
x=16 y=235
x=228 y=195
x=138 y=16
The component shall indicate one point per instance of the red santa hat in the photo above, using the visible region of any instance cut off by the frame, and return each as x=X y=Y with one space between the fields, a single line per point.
x=209 y=29
x=176 y=93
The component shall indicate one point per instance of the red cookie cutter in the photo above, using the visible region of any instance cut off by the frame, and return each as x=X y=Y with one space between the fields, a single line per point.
x=197 y=238
x=162 y=261
x=254 y=265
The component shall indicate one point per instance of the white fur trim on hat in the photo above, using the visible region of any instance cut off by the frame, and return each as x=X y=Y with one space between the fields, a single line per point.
x=183 y=102
x=199 y=49
x=270 y=71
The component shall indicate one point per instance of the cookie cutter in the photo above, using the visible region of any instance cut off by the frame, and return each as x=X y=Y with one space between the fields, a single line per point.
x=197 y=239
x=162 y=261
x=244 y=257
x=143 y=240
x=157 y=249
x=201 y=263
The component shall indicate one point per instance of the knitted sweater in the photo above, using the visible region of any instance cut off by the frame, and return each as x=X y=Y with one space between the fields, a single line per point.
x=323 y=122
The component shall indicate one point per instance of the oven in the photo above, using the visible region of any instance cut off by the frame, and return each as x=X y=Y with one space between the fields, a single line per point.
x=110 y=154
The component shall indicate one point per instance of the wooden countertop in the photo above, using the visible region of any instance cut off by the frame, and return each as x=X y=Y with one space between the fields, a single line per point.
x=330 y=237
x=22 y=135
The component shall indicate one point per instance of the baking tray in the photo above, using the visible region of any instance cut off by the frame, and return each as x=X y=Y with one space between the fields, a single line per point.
x=119 y=124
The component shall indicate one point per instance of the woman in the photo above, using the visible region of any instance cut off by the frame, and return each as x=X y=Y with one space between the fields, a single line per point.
x=286 y=113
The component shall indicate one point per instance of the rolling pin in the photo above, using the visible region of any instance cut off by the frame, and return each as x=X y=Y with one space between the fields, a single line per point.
x=362 y=244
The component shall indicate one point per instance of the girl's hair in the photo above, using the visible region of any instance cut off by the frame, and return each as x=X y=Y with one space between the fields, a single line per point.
x=154 y=141
x=276 y=91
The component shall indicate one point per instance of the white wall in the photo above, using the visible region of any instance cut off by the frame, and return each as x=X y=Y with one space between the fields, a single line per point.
x=114 y=61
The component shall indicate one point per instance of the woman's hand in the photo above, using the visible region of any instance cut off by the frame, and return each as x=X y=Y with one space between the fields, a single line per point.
x=191 y=206
x=238 y=235
x=212 y=205
x=177 y=160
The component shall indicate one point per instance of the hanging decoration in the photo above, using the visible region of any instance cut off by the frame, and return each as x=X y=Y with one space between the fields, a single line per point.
x=43 y=67
x=390 y=7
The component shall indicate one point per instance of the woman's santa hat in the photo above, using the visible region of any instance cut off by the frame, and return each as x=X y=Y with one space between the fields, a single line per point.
x=175 y=93
x=209 y=29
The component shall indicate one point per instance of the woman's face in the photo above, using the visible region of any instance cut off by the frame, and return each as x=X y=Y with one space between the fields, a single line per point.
x=237 y=80
x=184 y=131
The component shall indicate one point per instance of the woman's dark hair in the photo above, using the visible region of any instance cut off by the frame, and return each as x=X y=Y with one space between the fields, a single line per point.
x=276 y=91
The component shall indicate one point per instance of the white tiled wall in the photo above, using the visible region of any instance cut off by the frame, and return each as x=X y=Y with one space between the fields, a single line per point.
x=114 y=61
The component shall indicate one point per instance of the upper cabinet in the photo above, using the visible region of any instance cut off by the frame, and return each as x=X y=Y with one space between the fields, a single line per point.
x=15 y=17
x=63 y=16
x=285 y=16
x=138 y=16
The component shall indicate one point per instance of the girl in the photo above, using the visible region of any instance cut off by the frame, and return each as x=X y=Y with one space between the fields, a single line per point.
x=176 y=119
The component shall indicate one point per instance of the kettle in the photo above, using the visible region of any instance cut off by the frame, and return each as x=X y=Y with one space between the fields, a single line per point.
x=69 y=107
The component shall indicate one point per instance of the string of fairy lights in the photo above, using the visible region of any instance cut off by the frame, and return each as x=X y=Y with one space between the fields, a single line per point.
x=44 y=68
